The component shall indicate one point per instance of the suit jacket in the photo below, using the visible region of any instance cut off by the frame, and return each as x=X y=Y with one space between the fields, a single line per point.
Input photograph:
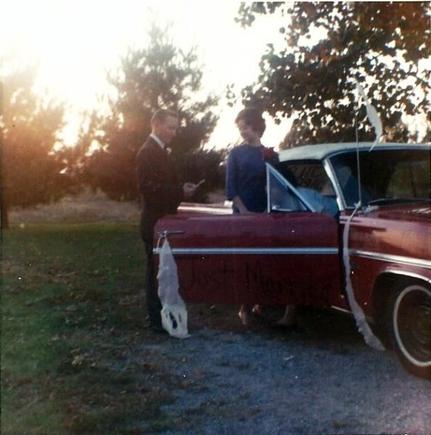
x=158 y=185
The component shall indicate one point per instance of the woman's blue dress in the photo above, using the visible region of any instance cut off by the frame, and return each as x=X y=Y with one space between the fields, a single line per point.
x=246 y=175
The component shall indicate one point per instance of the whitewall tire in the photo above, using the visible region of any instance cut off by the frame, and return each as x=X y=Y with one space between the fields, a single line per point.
x=411 y=328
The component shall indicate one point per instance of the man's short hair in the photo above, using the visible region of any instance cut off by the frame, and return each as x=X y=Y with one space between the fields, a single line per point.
x=253 y=118
x=161 y=115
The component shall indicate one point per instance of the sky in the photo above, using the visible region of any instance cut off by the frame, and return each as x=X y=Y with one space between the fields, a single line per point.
x=76 y=42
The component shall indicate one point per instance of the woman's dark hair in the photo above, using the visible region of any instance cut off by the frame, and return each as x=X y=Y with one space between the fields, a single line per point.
x=253 y=118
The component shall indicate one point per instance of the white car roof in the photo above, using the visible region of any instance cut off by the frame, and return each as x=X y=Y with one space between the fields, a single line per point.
x=322 y=151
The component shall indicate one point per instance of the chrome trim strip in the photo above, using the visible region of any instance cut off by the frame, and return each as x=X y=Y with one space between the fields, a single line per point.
x=342 y=310
x=392 y=258
x=330 y=171
x=252 y=251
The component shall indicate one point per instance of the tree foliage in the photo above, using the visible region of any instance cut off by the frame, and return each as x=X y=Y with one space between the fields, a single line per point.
x=381 y=45
x=158 y=76
x=31 y=171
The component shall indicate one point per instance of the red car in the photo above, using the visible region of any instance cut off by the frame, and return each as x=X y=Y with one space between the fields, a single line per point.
x=293 y=253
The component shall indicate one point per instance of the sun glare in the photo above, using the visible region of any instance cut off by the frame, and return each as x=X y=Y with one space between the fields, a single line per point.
x=76 y=43
x=72 y=42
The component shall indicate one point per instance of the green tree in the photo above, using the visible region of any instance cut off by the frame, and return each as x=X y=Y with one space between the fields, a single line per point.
x=158 y=76
x=31 y=171
x=381 y=45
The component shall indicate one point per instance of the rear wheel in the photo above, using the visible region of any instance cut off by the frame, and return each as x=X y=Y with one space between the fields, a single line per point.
x=410 y=327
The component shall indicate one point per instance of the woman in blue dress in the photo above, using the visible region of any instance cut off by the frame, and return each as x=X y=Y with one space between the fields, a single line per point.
x=246 y=172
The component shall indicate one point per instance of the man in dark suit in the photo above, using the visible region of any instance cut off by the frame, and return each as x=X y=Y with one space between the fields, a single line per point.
x=161 y=193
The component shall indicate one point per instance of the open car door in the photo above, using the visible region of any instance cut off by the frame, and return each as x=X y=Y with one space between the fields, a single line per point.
x=290 y=254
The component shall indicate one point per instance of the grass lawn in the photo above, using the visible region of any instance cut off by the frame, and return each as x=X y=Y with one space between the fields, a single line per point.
x=71 y=317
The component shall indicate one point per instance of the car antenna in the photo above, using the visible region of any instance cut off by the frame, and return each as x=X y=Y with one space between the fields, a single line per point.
x=358 y=164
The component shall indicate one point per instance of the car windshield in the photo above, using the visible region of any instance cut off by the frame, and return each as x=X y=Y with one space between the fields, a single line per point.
x=386 y=175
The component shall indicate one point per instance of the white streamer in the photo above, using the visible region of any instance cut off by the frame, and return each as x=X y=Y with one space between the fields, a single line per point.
x=358 y=314
x=372 y=115
x=174 y=311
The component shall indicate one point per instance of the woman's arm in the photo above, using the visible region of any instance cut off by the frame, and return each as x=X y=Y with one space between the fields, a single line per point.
x=232 y=183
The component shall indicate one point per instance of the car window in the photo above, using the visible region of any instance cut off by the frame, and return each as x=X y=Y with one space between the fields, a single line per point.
x=282 y=195
x=312 y=183
x=309 y=174
x=410 y=178
x=385 y=174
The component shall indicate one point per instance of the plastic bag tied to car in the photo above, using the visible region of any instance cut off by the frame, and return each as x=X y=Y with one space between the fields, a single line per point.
x=174 y=311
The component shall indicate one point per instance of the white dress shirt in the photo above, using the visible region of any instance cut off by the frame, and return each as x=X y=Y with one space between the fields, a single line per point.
x=158 y=141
